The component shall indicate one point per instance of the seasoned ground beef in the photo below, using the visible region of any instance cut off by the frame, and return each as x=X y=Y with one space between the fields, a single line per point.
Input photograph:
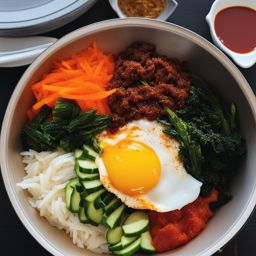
x=145 y=82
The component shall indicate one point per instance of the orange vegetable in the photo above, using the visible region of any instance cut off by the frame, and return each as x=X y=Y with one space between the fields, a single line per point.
x=49 y=100
x=82 y=78
x=30 y=114
x=92 y=96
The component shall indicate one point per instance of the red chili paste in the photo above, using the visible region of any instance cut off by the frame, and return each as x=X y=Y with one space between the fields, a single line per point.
x=172 y=229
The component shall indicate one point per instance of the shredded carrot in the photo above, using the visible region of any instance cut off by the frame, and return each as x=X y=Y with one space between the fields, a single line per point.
x=30 y=114
x=83 y=78
x=75 y=88
x=91 y=96
x=49 y=100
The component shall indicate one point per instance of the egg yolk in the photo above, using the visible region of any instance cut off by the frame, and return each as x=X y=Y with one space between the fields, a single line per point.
x=133 y=167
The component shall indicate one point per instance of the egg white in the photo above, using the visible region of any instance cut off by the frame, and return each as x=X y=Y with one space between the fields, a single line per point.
x=175 y=189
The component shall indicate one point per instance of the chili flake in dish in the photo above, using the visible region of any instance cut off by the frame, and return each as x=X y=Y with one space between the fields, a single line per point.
x=142 y=8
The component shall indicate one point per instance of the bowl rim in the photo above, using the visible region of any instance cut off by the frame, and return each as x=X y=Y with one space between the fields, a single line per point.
x=98 y=27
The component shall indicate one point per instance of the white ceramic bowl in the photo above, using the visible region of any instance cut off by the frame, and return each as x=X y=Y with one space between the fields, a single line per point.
x=113 y=36
x=244 y=60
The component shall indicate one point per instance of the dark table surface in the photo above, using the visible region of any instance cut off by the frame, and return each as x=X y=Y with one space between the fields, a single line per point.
x=14 y=238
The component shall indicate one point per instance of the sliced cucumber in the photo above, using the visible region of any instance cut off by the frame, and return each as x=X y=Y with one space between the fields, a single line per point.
x=68 y=193
x=112 y=206
x=89 y=153
x=103 y=200
x=135 y=228
x=82 y=216
x=127 y=240
x=85 y=176
x=93 y=214
x=115 y=247
x=88 y=176
x=114 y=235
x=129 y=250
x=75 y=201
x=87 y=166
x=78 y=153
x=84 y=194
x=71 y=184
x=79 y=188
x=83 y=203
x=92 y=197
x=135 y=216
x=92 y=185
x=99 y=199
x=146 y=243
x=114 y=218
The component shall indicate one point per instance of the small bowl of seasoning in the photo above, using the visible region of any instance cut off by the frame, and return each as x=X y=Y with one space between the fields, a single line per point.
x=160 y=9
x=233 y=28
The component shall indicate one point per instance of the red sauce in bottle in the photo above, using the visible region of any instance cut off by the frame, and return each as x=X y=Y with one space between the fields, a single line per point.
x=236 y=28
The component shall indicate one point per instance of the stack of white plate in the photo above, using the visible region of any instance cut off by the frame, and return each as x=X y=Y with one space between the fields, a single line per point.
x=28 y=17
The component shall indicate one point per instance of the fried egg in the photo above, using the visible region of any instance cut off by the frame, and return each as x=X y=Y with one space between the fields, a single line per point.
x=141 y=165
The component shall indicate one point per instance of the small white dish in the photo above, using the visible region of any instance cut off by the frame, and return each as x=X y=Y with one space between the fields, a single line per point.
x=165 y=14
x=244 y=60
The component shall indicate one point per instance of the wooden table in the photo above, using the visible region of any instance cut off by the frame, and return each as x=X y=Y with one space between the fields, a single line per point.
x=14 y=238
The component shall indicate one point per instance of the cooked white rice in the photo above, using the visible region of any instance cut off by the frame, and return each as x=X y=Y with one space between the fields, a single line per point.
x=47 y=173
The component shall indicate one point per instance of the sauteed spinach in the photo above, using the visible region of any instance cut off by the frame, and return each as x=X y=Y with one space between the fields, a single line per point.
x=210 y=141
x=67 y=127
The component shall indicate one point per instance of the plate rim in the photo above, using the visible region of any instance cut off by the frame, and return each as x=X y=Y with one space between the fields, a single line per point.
x=74 y=6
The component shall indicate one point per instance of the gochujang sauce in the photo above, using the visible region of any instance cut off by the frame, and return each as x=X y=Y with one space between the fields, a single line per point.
x=236 y=28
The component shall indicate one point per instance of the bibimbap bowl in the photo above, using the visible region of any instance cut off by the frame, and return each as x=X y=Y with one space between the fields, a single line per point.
x=171 y=40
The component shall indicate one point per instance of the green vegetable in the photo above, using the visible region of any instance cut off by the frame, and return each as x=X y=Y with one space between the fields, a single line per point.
x=187 y=143
x=68 y=128
x=81 y=121
x=146 y=243
x=66 y=109
x=210 y=141
x=114 y=218
x=55 y=127
x=114 y=235
x=129 y=250
x=42 y=116
x=96 y=145
x=34 y=137
x=69 y=188
x=144 y=82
